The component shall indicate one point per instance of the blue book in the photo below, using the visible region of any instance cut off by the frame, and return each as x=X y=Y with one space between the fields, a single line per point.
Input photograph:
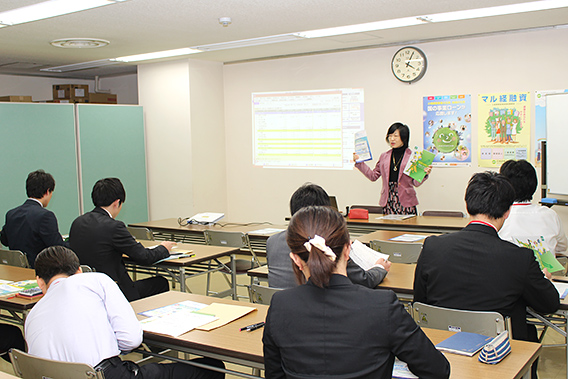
x=464 y=343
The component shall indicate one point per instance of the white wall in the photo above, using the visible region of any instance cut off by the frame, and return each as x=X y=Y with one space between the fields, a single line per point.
x=40 y=88
x=503 y=63
x=185 y=145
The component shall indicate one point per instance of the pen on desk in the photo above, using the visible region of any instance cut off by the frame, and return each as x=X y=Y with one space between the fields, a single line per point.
x=248 y=328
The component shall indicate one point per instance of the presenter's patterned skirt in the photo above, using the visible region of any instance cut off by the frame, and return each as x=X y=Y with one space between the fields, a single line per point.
x=393 y=206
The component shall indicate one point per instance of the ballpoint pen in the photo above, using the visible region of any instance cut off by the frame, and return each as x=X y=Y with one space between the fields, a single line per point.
x=248 y=328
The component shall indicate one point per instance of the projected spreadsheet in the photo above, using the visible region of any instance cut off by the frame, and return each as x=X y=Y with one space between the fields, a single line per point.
x=306 y=129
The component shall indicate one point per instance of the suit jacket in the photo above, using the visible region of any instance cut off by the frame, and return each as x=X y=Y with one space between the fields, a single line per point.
x=31 y=228
x=100 y=241
x=281 y=274
x=474 y=269
x=344 y=331
x=406 y=191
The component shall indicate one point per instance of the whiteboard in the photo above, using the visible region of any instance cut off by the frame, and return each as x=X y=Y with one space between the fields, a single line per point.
x=556 y=143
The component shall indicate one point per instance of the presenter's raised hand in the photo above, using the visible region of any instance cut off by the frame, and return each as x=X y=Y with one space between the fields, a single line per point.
x=355 y=157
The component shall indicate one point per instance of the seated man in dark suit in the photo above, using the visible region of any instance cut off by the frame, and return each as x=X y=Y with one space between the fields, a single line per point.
x=100 y=241
x=30 y=227
x=474 y=269
x=280 y=271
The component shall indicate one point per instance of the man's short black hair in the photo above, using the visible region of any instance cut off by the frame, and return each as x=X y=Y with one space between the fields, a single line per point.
x=38 y=183
x=106 y=191
x=489 y=194
x=306 y=195
x=522 y=176
x=55 y=260
x=403 y=131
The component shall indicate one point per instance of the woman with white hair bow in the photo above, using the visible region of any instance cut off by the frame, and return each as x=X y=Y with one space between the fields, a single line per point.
x=332 y=328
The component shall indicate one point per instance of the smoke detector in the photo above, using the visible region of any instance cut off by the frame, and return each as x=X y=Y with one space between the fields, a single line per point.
x=225 y=21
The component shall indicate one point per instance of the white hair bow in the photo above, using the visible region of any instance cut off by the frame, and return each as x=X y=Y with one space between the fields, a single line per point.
x=319 y=242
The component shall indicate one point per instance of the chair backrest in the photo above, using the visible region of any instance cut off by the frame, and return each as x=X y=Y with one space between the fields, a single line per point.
x=261 y=294
x=14 y=258
x=399 y=252
x=486 y=323
x=370 y=208
x=230 y=239
x=86 y=268
x=141 y=233
x=29 y=367
x=444 y=213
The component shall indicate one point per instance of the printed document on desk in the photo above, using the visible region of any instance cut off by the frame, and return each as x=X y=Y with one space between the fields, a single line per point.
x=364 y=256
x=177 y=323
x=225 y=314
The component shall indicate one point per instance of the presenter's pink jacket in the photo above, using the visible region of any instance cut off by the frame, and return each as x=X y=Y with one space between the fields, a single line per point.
x=406 y=191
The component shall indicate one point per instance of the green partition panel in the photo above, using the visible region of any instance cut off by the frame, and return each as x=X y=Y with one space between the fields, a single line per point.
x=112 y=145
x=39 y=136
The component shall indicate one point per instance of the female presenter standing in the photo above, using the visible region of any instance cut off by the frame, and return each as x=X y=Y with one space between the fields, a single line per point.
x=398 y=195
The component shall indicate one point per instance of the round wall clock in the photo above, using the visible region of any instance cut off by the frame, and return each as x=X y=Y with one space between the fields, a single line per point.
x=409 y=64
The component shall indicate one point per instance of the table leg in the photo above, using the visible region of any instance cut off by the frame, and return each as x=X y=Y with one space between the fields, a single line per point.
x=182 y=279
x=234 y=275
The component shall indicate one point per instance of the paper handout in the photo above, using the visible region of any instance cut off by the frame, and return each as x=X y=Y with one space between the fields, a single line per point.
x=364 y=256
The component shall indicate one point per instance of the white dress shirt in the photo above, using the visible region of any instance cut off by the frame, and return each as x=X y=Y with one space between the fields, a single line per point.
x=83 y=318
x=530 y=222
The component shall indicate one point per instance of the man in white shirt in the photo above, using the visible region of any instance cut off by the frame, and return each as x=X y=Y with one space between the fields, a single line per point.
x=530 y=222
x=85 y=318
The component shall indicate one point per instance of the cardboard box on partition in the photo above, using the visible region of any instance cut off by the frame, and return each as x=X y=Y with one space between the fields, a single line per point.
x=102 y=98
x=70 y=92
x=16 y=99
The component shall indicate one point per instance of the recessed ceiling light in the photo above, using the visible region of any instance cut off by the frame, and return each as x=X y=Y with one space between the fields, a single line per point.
x=79 y=43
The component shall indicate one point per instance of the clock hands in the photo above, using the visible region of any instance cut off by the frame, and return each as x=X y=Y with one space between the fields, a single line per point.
x=409 y=59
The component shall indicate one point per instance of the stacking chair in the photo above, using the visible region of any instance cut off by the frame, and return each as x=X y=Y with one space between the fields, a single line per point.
x=140 y=233
x=399 y=252
x=261 y=294
x=238 y=266
x=29 y=367
x=444 y=213
x=86 y=268
x=370 y=208
x=14 y=258
x=487 y=323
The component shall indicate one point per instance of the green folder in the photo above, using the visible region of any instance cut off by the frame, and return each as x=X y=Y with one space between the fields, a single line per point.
x=416 y=165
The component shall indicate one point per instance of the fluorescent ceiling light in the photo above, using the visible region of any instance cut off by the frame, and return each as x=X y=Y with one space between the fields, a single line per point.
x=497 y=11
x=439 y=17
x=360 y=28
x=48 y=9
x=157 y=55
x=79 y=66
x=248 y=42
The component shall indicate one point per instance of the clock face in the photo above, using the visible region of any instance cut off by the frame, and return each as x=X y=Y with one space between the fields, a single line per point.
x=409 y=64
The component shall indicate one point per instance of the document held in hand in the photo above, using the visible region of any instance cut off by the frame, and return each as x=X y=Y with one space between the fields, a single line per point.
x=364 y=256
x=362 y=148
x=417 y=163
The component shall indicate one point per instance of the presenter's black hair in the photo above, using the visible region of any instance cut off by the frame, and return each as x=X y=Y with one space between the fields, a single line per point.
x=403 y=130
x=55 y=260
x=327 y=223
x=106 y=191
x=489 y=194
x=522 y=176
x=38 y=183
x=306 y=195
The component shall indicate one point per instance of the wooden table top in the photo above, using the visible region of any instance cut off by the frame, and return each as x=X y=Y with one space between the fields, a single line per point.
x=418 y=223
x=229 y=341
x=385 y=235
x=16 y=274
x=202 y=253
x=171 y=224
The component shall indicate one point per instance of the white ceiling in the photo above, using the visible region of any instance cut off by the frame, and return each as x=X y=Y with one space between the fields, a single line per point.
x=142 y=26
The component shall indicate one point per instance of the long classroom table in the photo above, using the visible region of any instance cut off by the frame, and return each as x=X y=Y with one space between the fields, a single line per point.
x=182 y=268
x=17 y=307
x=169 y=229
x=416 y=224
x=245 y=348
